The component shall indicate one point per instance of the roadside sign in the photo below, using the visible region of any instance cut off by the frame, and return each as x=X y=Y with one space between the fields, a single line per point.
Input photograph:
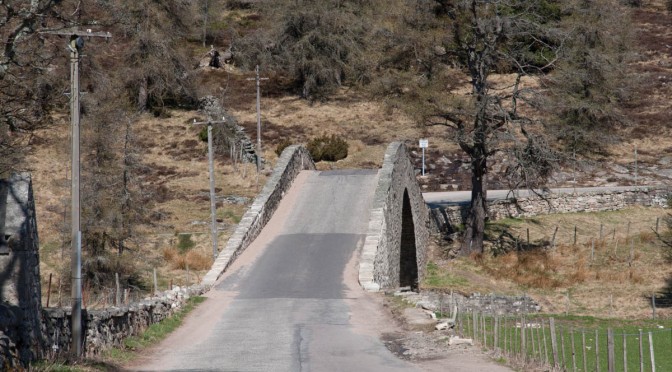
x=424 y=143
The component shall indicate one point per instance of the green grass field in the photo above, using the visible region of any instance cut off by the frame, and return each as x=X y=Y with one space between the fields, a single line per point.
x=581 y=342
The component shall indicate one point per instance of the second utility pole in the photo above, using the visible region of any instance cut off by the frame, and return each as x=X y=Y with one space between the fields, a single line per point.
x=211 y=169
x=256 y=70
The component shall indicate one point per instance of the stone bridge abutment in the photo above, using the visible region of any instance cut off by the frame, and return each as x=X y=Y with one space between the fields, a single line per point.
x=395 y=250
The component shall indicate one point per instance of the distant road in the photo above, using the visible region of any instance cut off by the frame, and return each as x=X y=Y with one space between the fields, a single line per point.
x=463 y=197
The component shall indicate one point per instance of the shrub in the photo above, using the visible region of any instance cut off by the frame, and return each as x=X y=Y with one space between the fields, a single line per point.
x=668 y=5
x=328 y=148
x=184 y=242
x=282 y=146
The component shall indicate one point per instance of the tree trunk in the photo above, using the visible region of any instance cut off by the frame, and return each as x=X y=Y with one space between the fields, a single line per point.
x=143 y=95
x=478 y=212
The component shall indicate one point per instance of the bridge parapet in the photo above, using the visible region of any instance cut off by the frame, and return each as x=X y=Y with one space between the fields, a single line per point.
x=292 y=161
x=395 y=249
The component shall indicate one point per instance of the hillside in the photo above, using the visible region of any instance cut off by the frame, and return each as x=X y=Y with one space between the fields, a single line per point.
x=175 y=159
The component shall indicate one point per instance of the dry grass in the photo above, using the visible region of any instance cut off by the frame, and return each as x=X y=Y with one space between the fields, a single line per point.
x=610 y=281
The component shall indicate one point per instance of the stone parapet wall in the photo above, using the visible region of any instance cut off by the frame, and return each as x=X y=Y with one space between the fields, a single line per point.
x=107 y=328
x=293 y=160
x=445 y=218
x=379 y=264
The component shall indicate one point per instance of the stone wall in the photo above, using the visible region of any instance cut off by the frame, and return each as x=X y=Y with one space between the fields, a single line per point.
x=293 y=160
x=381 y=257
x=20 y=293
x=444 y=218
x=489 y=304
x=107 y=328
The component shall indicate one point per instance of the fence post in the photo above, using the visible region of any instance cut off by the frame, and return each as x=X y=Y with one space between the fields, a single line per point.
x=601 y=226
x=156 y=285
x=571 y=334
x=49 y=290
x=117 y=295
x=543 y=332
x=562 y=345
x=574 y=235
x=625 y=352
x=541 y=356
x=523 y=343
x=611 y=364
x=653 y=361
x=474 y=319
x=657 y=221
x=583 y=351
x=641 y=352
x=495 y=340
x=653 y=305
x=553 y=240
x=597 y=350
x=534 y=346
x=554 y=342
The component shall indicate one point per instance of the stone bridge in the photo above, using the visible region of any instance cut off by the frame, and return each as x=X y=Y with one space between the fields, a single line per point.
x=395 y=250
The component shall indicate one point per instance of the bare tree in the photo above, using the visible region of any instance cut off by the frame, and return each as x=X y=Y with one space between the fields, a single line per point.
x=26 y=85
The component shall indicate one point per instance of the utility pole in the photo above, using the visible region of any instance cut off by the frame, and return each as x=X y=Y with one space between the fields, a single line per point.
x=211 y=166
x=205 y=21
x=75 y=45
x=257 y=78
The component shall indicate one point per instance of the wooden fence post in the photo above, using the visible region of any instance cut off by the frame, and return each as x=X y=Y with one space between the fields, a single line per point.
x=653 y=360
x=653 y=305
x=523 y=343
x=474 y=325
x=554 y=342
x=49 y=290
x=571 y=334
x=597 y=350
x=641 y=352
x=156 y=285
x=543 y=331
x=117 y=295
x=583 y=347
x=625 y=352
x=541 y=356
x=495 y=340
x=611 y=363
x=553 y=240
x=562 y=346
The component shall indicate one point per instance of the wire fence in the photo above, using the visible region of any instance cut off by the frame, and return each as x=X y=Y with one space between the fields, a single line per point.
x=545 y=343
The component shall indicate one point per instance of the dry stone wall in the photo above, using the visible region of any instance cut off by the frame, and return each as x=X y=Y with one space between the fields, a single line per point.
x=445 y=218
x=107 y=328
x=292 y=161
x=379 y=264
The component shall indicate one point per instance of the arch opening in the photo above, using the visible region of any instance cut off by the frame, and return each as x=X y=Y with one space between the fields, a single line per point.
x=408 y=263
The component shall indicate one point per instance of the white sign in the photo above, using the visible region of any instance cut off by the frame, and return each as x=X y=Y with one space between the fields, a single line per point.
x=424 y=143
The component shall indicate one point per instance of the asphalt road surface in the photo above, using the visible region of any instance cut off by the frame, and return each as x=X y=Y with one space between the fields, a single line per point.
x=463 y=197
x=289 y=308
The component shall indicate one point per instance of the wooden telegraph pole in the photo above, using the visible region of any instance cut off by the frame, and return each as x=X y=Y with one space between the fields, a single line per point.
x=257 y=78
x=211 y=166
x=75 y=45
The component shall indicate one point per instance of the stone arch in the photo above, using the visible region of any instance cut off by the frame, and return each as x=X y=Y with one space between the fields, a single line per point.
x=408 y=261
x=395 y=249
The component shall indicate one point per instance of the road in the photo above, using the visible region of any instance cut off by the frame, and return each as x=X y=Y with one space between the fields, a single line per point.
x=291 y=301
x=463 y=197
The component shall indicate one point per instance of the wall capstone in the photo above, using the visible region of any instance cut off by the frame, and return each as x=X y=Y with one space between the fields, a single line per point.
x=292 y=161
x=379 y=262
